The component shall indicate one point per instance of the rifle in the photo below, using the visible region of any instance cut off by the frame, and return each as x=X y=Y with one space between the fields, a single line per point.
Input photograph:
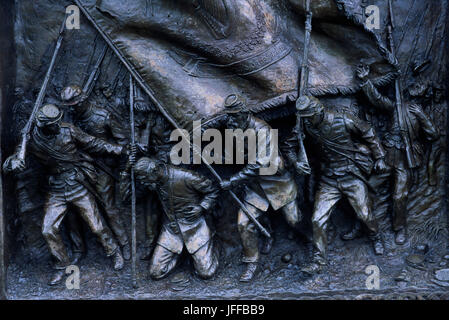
x=411 y=159
x=138 y=78
x=40 y=98
x=302 y=90
x=89 y=86
x=133 y=184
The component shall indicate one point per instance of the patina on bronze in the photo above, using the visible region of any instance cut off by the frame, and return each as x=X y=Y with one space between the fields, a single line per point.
x=360 y=109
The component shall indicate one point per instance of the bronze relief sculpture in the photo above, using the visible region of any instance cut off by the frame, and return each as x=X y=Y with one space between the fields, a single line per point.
x=209 y=144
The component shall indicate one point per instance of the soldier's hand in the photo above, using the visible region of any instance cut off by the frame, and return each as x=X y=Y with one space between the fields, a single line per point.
x=15 y=164
x=226 y=185
x=363 y=72
x=302 y=168
x=416 y=110
x=380 y=166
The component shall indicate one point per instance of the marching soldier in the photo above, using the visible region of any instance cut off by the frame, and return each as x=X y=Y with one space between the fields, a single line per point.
x=417 y=123
x=185 y=196
x=153 y=140
x=345 y=166
x=278 y=190
x=56 y=145
x=99 y=123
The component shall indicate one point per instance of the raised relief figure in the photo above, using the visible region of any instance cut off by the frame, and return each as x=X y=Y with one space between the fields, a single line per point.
x=99 y=123
x=71 y=182
x=400 y=153
x=345 y=166
x=278 y=190
x=185 y=196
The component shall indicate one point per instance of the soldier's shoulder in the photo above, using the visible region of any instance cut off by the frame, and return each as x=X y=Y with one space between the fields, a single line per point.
x=101 y=112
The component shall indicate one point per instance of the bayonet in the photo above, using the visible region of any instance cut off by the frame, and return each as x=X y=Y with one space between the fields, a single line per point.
x=411 y=159
x=302 y=90
x=40 y=98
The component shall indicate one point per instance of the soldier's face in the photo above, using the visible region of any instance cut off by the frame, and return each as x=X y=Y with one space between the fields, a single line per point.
x=438 y=96
x=417 y=90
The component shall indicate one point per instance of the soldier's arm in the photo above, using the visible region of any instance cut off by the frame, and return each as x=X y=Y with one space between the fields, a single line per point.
x=205 y=187
x=376 y=98
x=427 y=126
x=366 y=132
x=95 y=145
x=290 y=146
x=119 y=133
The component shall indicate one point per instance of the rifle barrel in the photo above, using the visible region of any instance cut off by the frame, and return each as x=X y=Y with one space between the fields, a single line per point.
x=41 y=95
x=133 y=185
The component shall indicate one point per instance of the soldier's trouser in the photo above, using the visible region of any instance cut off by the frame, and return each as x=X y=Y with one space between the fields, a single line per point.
x=106 y=190
x=55 y=211
x=205 y=261
x=400 y=195
x=330 y=191
x=151 y=218
x=249 y=233
x=75 y=233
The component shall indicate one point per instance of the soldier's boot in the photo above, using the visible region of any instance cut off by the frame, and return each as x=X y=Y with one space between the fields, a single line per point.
x=249 y=272
x=378 y=244
x=355 y=233
x=126 y=251
x=118 y=260
x=57 y=277
x=147 y=249
x=267 y=245
x=316 y=266
x=400 y=237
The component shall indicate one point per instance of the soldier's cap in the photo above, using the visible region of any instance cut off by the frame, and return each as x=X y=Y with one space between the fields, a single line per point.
x=145 y=166
x=47 y=115
x=71 y=95
x=234 y=104
x=308 y=106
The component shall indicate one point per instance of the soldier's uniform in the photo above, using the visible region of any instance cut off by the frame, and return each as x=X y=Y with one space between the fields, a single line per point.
x=344 y=167
x=99 y=123
x=153 y=137
x=418 y=123
x=278 y=190
x=180 y=191
x=70 y=173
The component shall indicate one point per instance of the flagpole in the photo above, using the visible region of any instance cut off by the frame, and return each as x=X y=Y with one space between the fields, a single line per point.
x=133 y=185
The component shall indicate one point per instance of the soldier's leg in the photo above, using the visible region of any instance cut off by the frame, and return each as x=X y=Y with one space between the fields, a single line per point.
x=292 y=214
x=89 y=212
x=400 y=200
x=358 y=196
x=152 y=210
x=105 y=187
x=326 y=198
x=75 y=233
x=249 y=235
x=55 y=210
x=162 y=262
x=400 y=197
x=205 y=260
